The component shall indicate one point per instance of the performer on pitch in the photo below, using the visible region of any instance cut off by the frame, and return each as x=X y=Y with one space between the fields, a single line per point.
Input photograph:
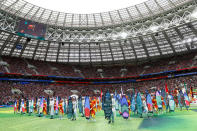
x=139 y=104
x=187 y=101
x=70 y=109
x=92 y=108
x=87 y=108
x=171 y=103
x=61 y=110
x=181 y=99
x=124 y=107
x=74 y=101
x=44 y=107
x=80 y=105
x=52 y=108
x=159 y=101
x=31 y=106
x=83 y=106
x=113 y=106
x=149 y=104
x=40 y=108
x=108 y=107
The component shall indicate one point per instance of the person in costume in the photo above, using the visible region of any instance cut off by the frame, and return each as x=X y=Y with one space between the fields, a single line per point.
x=80 y=105
x=87 y=108
x=133 y=103
x=129 y=103
x=52 y=108
x=70 y=109
x=56 y=105
x=48 y=103
x=93 y=108
x=31 y=106
x=108 y=107
x=61 y=110
x=187 y=101
x=175 y=95
x=65 y=106
x=145 y=108
x=35 y=105
x=44 y=107
x=83 y=106
x=163 y=98
x=181 y=99
x=118 y=99
x=74 y=108
x=15 y=107
x=117 y=102
x=124 y=107
x=159 y=101
x=154 y=101
x=98 y=104
x=22 y=109
x=19 y=105
x=40 y=108
x=171 y=103
x=139 y=104
x=149 y=104
x=25 y=106
x=167 y=103
x=113 y=106
x=102 y=100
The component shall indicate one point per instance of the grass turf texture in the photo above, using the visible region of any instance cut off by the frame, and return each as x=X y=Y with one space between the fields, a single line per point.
x=177 y=121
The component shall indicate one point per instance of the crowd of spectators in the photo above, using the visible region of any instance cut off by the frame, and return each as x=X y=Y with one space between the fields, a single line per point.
x=33 y=90
x=17 y=65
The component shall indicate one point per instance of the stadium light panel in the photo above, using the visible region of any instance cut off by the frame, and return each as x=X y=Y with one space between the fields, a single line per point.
x=194 y=13
x=154 y=28
x=123 y=35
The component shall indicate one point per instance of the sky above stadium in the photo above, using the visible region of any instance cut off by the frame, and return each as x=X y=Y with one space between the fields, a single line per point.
x=84 y=6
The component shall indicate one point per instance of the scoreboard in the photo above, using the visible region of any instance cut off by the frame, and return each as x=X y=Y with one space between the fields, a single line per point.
x=31 y=29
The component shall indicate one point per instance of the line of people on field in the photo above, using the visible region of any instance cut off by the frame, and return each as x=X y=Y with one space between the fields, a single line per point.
x=113 y=105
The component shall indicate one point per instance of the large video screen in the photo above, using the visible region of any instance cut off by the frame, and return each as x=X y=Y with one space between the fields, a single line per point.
x=31 y=29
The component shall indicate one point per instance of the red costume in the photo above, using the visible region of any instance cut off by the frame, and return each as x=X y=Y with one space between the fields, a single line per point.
x=45 y=107
x=98 y=105
x=154 y=101
x=61 y=107
x=93 y=107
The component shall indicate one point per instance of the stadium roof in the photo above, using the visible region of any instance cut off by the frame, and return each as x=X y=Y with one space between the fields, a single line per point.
x=155 y=28
x=85 y=6
x=147 y=9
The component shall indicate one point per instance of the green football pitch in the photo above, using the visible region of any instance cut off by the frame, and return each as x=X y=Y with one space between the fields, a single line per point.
x=177 y=121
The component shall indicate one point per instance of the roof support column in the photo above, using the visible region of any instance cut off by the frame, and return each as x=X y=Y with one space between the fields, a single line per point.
x=144 y=46
x=169 y=41
x=181 y=36
x=24 y=46
x=156 y=43
x=47 y=50
x=37 y=45
x=101 y=53
x=111 y=52
x=132 y=46
x=122 y=51
x=58 y=51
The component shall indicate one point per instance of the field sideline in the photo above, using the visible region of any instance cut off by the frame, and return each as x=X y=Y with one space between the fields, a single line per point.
x=178 y=121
